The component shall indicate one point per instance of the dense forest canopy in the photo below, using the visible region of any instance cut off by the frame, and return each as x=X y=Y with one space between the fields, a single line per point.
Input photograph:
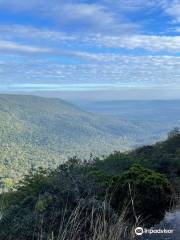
x=36 y=131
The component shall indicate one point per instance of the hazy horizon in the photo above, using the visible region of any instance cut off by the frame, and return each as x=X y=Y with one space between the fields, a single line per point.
x=105 y=95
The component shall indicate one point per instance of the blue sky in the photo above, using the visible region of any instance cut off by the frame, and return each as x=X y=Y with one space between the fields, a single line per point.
x=90 y=46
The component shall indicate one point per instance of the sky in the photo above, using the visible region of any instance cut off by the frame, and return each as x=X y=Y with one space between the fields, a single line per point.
x=91 y=49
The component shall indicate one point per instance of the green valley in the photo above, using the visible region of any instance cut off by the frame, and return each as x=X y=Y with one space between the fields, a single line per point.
x=37 y=131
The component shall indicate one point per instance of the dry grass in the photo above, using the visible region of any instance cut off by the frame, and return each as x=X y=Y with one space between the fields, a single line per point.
x=92 y=224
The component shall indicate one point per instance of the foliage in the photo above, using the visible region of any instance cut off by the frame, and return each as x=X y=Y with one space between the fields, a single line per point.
x=37 y=131
x=43 y=202
x=148 y=191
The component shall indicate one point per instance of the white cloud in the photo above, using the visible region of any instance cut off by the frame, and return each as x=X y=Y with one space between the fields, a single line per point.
x=147 y=71
x=95 y=17
x=95 y=34
x=98 y=16
x=132 y=5
x=79 y=16
x=22 y=49
x=172 y=8
x=57 y=42
x=147 y=42
x=27 y=32
x=8 y=46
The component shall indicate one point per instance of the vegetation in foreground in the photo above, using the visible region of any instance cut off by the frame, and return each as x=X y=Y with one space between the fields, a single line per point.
x=98 y=199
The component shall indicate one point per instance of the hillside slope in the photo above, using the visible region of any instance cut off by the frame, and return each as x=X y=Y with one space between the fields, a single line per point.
x=37 y=131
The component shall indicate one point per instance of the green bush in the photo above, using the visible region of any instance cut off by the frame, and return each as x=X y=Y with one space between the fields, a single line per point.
x=146 y=193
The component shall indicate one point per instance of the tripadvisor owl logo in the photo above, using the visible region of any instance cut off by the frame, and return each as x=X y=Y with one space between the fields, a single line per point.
x=139 y=231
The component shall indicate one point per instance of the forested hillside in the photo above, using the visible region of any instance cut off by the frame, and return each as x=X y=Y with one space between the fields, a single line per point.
x=37 y=131
x=97 y=199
